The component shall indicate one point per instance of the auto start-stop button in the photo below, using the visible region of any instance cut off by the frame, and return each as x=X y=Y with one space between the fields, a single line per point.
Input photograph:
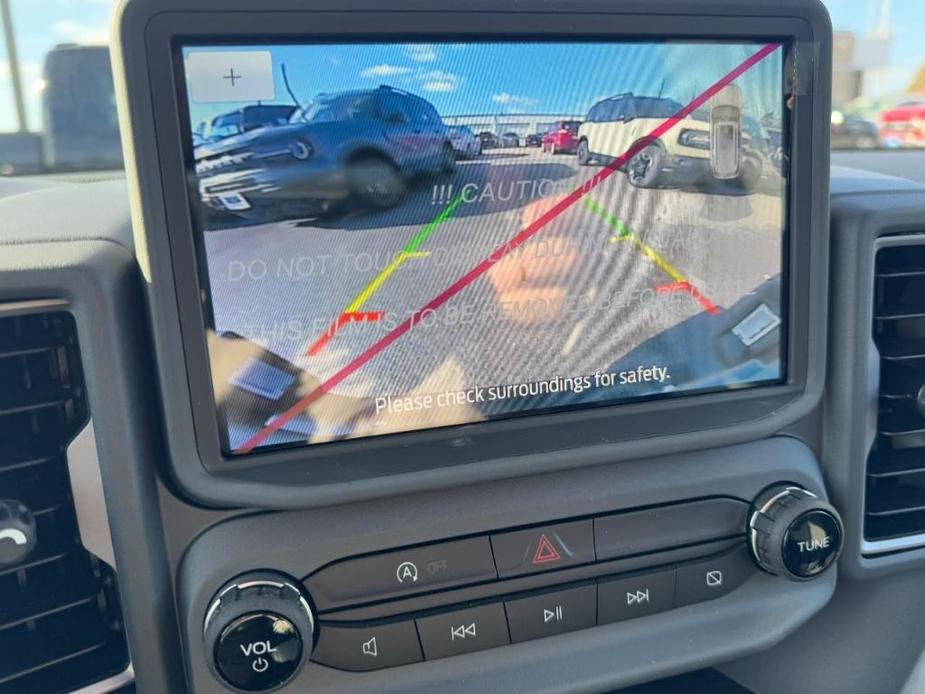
x=258 y=651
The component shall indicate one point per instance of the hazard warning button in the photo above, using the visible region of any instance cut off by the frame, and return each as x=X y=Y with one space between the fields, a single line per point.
x=543 y=549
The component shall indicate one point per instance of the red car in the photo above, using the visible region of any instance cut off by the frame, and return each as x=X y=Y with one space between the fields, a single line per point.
x=562 y=137
x=904 y=125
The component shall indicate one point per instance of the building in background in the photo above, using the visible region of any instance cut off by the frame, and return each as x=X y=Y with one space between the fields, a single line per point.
x=80 y=124
x=861 y=64
x=860 y=68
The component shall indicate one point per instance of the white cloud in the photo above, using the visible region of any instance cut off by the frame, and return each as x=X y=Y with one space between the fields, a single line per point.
x=505 y=99
x=422 y=53
x=439 y=86
x=384 y=71
x=439 y=81
x=77 y=32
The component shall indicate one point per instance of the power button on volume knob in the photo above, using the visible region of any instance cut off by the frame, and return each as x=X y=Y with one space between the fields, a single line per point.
x=793 y=533
x=258 y=632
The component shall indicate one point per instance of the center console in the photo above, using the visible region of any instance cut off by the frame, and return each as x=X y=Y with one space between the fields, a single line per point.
x=463 y=595
x=492 y=337
x=385 y=595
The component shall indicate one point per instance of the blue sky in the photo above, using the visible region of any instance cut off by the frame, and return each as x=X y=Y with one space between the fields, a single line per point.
x=40 y=24
x=505 y=78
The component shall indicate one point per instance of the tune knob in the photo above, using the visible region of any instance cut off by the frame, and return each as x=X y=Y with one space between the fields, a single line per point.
x=258 y=632
x=793 y=533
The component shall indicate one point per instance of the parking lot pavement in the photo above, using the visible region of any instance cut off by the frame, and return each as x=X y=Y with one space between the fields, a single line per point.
x=600 y=279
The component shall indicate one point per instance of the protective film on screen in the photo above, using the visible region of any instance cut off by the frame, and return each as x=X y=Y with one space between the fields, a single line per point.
x=395 y=237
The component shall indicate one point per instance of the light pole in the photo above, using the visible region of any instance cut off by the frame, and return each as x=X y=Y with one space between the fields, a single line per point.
x=12 y=56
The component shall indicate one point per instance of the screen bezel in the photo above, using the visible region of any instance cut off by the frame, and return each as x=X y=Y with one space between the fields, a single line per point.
x=180 y=45
x=400 y=462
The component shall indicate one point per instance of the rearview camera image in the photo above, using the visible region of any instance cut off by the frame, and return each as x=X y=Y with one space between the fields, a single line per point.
x=396 y=237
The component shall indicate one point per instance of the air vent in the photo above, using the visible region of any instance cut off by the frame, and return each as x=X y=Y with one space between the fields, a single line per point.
x=60 y=622
x=895 y=505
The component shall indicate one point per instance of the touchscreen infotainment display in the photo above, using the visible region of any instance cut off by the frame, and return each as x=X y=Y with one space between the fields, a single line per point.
x=405 y=236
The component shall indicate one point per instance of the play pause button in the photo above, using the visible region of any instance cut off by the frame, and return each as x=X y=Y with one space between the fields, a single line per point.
x=548 y=614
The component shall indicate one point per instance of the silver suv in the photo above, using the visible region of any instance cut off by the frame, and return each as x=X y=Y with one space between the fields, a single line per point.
x=360 y=145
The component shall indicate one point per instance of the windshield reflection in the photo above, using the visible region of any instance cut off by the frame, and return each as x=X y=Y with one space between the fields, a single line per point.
x=57 y=103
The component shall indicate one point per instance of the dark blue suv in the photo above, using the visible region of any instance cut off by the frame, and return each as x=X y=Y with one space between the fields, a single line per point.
x=361 y=146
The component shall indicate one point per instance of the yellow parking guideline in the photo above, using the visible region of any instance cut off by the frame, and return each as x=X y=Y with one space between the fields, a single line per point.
x=373 y=286
x=660 y=261
x=408 y=252
x=624 y=233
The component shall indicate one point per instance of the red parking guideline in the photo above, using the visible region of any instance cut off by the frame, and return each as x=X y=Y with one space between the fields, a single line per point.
x=692 y=291
x=342 y=320
x=277 y=422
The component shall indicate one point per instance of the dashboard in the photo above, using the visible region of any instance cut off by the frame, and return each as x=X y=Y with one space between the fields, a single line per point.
x=371 y=396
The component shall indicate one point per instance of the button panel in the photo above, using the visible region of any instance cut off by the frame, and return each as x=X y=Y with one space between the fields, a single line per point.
x=465 y=595
x=424 y=569
x=524 y=617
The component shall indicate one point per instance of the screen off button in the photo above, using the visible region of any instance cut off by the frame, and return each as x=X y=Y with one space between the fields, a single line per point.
x=221 y=76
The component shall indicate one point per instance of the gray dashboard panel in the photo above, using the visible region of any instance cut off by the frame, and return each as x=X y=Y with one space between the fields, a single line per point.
x=755 y=616
x=860 y=223
x=73 y=242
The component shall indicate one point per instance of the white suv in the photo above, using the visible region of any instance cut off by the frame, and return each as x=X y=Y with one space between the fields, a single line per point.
x=615 y=124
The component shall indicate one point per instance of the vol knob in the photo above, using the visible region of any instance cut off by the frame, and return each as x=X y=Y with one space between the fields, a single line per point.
x=793 y=533
x=258 y=632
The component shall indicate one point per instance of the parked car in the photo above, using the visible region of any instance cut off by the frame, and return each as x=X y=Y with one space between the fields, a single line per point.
x=853 y=132
x=534 y=140
x=904 y=125
x=248 y=118
x=489 y=140
x=510 y=139
x=361 y=145
x=615 y=124
x=562 y=137
x=465 y=143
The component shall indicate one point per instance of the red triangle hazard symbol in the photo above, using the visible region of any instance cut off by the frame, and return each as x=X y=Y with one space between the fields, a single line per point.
x=545 y=552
